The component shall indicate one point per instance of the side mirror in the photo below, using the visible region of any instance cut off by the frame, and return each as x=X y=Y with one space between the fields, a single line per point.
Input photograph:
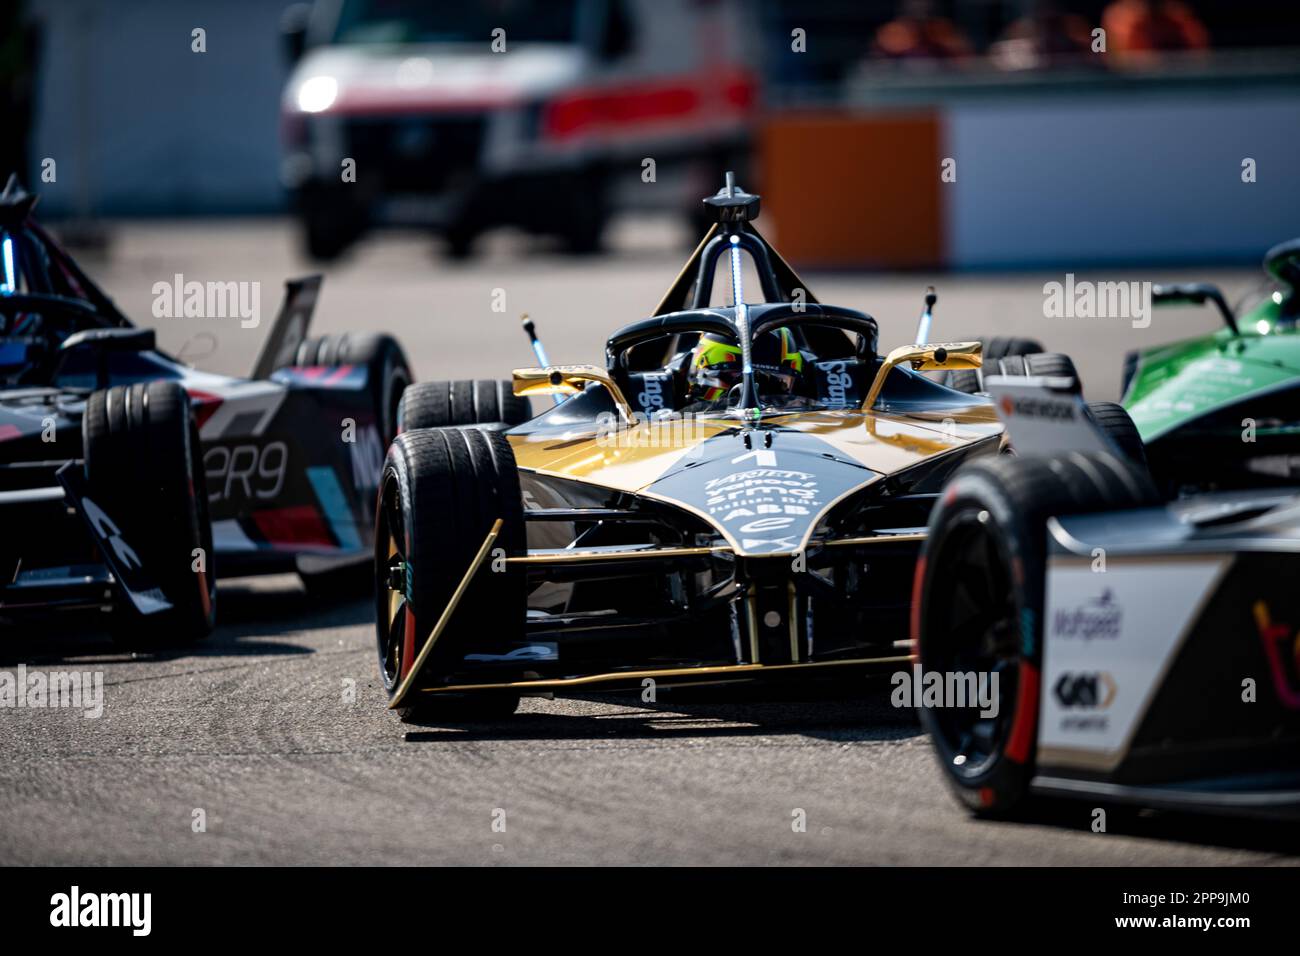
x=569 y=380
x=934 y=357
x=293 y=30
x=97 y=345
x=1195 y=293
x=111 y=339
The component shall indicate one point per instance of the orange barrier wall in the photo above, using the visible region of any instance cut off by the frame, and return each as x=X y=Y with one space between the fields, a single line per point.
x=854 y=191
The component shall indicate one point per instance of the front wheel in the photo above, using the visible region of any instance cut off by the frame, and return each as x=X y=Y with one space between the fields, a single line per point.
x=980 y=602
x=144 y=464
x=441 y=492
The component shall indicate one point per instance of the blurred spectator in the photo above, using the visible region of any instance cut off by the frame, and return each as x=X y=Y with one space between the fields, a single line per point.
x=919 y=33
x=1149 y=26
x=1044 y=36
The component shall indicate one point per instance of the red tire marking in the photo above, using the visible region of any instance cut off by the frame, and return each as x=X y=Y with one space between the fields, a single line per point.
x=1024 y=724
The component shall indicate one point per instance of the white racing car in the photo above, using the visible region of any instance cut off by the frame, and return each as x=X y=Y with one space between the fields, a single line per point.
x=1146 y=651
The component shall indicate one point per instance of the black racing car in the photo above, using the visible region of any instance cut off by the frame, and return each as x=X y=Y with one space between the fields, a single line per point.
x=129 y=480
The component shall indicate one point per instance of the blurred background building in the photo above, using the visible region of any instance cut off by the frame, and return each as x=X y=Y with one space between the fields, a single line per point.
x=968 y=134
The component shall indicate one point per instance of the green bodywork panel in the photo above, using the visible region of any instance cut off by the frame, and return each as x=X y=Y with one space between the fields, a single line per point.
x=1177 y=383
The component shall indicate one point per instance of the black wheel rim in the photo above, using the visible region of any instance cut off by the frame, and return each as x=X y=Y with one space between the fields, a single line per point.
x=974 y=629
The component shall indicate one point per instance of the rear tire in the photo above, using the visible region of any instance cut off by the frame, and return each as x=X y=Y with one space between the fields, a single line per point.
x=1114 y=420
x=996 y=348
x=387 y=370
x=442 y=489
x=974 y=615
x=388 y=376
x=144 y=463
x=448 y=404
x=1043 y=364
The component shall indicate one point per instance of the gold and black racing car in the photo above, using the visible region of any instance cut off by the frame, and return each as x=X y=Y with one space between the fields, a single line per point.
x=740 y=493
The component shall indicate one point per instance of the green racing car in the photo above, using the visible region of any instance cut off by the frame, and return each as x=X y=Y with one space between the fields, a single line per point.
x=1223 y=410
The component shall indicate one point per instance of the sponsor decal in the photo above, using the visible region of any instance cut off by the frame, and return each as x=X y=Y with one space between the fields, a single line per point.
x=1108 y=639
x=651 y=398
x=763 y=487
x=246 y=472
x=1038 y=406
x=763 y=501
x=1088 y=692
x=1099 y=618
x=837 y=383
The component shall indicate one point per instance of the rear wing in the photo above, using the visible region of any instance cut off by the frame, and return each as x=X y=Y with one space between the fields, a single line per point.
x=289 y=328
x=1046 y=416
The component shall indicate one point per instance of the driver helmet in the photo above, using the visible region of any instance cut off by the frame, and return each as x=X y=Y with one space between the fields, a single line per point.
x=715 y=367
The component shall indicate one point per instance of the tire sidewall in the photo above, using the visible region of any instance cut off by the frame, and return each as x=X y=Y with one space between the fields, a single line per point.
x=1002 y=784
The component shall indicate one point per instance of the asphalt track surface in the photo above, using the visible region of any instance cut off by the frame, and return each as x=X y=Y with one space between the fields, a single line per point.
x=256 y=728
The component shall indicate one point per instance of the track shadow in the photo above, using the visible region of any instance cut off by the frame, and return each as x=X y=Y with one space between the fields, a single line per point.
x=822 y=710
x=1281 y=838
x=245 y=609
x=840 y=712
x=248 y=618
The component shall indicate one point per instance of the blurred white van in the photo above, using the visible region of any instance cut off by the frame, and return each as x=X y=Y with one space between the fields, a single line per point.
x=535 y=113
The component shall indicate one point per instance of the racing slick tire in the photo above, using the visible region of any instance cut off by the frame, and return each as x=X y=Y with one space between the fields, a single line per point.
x=388 y=372
x=997 y=347
x=441 y=491
x=1114 y=420
x=144 y=462
x=447 y=404
x=1044 y=364
x=979 y=605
